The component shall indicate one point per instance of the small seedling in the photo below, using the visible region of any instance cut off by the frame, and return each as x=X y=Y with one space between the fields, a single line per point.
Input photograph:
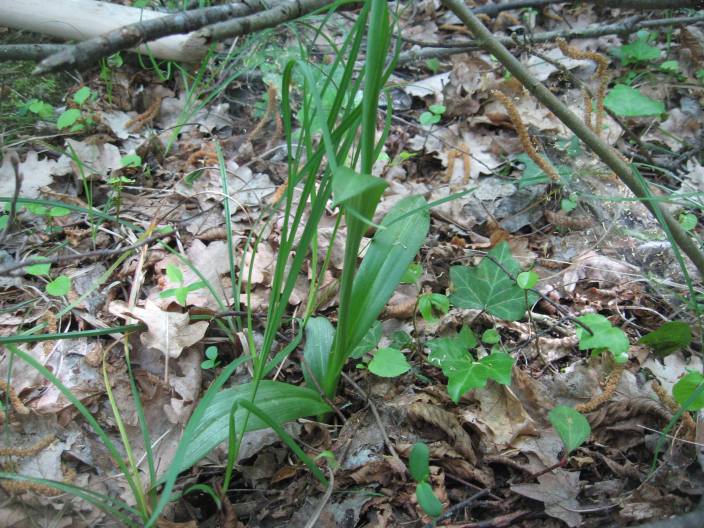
x=73 y=118
x=431 y=303
x=37 y=270
x=568 y=204
x=412 y=274
x=419 y=466
x=433 y=65
x=433 y=116
x=181 y=292
x=212 y=361
x=604 y=336
x=639 y=51
x=688 y=221
x=527 y=280
x=491 y=336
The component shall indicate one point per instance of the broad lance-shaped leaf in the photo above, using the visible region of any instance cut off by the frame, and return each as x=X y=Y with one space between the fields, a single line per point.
x=281 y=401
x=489 y=287
x=385 y=262
x=320 y=334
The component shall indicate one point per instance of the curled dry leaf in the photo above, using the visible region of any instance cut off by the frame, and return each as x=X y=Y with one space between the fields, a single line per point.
x=168 y=332
x=448 y=423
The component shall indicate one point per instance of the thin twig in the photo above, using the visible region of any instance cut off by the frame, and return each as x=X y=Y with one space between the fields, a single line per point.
x=375 y=413
x=460 y=505
x=15 y=162
x=628 y=26
x=79 y=256
x=322 y=502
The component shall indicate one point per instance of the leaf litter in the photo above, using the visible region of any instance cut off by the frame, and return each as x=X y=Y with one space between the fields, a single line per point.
x=497 y=437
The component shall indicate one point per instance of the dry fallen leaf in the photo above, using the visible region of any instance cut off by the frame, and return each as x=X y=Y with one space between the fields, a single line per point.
x=168 y=332
x=558 y=490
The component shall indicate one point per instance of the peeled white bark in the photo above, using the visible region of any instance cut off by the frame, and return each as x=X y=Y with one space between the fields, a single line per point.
x=83 y=19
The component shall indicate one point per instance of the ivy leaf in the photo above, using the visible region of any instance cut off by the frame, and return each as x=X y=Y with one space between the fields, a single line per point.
x=571 y=426
x=638 y=51
x=463 y=372
x=685 y=388
x=606 y=337
x=626 y=101
x=488 y=287
x=670 y=337
x=388 y=363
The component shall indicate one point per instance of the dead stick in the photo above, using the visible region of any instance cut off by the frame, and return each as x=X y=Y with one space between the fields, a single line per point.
x=628 y=26
x=602 y=149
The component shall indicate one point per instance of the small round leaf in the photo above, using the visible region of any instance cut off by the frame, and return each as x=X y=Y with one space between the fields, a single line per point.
x=388 y=363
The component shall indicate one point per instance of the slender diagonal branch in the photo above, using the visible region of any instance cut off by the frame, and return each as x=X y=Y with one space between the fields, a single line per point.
x=602 y=149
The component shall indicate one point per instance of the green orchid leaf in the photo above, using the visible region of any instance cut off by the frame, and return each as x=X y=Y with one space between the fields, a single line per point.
x=281 y=402
x=320 y=334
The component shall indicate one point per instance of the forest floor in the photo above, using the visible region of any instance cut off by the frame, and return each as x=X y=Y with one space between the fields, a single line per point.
x=148 y=279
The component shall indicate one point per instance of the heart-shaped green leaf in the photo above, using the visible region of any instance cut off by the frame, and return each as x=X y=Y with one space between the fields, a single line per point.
x=388 y=363
x=571 y=426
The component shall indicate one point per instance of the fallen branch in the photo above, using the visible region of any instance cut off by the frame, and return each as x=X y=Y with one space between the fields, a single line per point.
x=28 y=52
x=650 y=4
x=284 y=12
x=628 y=26
x=125 y=37
x=602 y=149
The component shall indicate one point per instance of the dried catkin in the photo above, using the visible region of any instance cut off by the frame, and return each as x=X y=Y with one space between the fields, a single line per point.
x=602 y=65
x=608 y=393
x=687 y=420
x=523 y=136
